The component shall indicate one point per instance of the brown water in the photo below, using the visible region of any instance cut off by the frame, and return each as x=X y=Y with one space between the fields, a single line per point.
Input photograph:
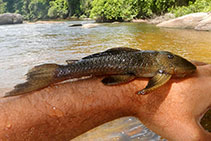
x=26 y=45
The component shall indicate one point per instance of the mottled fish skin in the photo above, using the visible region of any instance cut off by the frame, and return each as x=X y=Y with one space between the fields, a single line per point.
x=123 y=63
x=138 y=63
x=119 y=65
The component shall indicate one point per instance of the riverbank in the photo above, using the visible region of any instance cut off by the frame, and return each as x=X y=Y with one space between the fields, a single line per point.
x=198 y=21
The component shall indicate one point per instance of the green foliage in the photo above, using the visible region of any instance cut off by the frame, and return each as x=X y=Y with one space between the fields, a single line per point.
x=74 y=8
x=198 y=6
x=38 y=9
x=86 y=7
x=109 y=10
x=58 y=9
x=103 y=10
x=17 y=6
x=9 y=6
x=2 y=6
x=144 y=8
x=161 y=6
x=25 y=11
x=113 y=10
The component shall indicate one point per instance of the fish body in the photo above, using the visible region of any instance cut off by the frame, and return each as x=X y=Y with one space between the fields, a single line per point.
x=118 y=65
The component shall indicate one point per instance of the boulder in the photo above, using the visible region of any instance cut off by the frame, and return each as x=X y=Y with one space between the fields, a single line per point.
x=10 y=18
x=205 y=24
x=199 y=21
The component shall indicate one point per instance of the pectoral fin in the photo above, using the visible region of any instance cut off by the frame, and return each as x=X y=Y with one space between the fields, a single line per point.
x=117 y=79
x=158 y=80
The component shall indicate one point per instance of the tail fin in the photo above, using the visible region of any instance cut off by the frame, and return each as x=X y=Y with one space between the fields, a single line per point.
x=37 y=78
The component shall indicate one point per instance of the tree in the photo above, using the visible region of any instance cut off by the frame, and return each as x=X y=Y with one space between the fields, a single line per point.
x=113 y=10
x=38 y=9
x=9 y=6
x=85 y=7
x=58 y=9
x=2 y=6
x=25 y=9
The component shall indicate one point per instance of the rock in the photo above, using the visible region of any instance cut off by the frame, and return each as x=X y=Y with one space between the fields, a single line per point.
x=139 y=21
x=115 y=22
x=10 y=18
x=163 y=18
x=205 y=24
x=74 y=25
x=198 y=21
x=90 y=25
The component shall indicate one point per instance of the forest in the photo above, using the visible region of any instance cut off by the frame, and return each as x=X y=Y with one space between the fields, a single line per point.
x=103 y=10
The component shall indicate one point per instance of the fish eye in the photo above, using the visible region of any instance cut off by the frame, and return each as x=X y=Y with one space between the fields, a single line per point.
x=170 y=56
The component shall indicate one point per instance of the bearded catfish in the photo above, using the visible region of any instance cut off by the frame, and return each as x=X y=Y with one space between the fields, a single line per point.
x=118 y=65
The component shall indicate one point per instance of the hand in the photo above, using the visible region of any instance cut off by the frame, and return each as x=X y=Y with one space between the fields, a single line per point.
x=64 y=111
x=175 y=110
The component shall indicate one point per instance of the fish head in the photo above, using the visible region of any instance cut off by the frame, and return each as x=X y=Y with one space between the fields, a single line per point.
x=175 y=64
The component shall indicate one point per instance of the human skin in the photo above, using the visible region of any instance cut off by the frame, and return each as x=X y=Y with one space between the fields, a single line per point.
x=64 y=111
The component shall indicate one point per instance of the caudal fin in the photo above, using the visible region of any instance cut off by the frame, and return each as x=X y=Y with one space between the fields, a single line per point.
x=37 y=78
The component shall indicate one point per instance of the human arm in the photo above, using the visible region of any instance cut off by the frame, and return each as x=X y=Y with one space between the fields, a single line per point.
x=64 y=111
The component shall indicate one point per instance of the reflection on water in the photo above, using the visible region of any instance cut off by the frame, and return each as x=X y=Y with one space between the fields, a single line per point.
x=122 y=129
x=26 y=45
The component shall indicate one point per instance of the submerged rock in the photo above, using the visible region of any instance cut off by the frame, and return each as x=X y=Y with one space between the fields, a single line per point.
x=198 y=21
x=90 y=25
x=10 y=18
x=74 y=25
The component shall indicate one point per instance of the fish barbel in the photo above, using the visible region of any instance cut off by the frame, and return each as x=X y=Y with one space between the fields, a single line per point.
x=118 y=65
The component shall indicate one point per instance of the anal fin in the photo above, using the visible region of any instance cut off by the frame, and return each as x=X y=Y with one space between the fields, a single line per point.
x=158 y=80
x=117 y=79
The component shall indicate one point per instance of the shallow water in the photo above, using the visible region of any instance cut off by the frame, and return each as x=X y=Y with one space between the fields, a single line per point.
x=26 y=45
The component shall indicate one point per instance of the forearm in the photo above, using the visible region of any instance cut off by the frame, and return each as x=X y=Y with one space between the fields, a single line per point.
x=64 y=111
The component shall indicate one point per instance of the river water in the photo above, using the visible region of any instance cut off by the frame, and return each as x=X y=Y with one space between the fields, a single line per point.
x=26 y=45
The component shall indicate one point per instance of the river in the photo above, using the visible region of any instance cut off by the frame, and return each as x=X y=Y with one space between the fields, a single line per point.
x=26 y=45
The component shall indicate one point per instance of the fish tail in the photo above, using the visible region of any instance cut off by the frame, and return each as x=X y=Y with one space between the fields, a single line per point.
x=37 y=78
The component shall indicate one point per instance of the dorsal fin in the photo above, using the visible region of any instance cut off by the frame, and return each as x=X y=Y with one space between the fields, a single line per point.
x=111 y=51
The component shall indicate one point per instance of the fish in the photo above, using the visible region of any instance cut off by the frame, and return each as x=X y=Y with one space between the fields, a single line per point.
x=117 y=65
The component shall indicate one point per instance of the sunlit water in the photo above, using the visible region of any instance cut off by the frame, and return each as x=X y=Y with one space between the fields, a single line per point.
x=26 y=45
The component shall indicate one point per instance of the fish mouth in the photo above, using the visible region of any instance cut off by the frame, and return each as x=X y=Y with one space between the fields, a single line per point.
x=184 y=72
x=184 y=68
